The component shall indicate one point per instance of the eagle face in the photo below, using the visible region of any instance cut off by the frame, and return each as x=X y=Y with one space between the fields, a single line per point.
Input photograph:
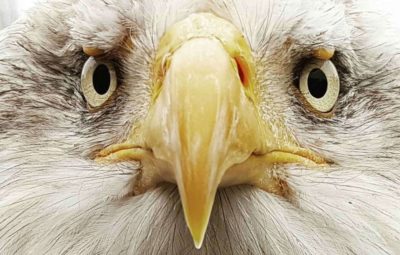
x=200 y=127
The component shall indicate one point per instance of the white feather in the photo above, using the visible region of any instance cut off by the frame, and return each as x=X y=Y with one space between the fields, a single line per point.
x=55 y=200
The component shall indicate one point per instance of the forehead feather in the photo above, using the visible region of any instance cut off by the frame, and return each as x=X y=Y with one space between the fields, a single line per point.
x=105 y=23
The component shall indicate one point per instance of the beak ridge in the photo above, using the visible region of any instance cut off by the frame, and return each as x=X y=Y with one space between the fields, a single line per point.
x=208 y=127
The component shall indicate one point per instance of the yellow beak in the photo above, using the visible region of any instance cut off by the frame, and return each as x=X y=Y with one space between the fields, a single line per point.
x=202 y=123
x=204 y=129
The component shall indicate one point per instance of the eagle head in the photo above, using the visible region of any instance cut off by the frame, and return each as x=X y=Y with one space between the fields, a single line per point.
x=244 y=127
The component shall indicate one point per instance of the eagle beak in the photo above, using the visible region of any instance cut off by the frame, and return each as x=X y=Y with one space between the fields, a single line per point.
x=204 y=129
x=202 y=123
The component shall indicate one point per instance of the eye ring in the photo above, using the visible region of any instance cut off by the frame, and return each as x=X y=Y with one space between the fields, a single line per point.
x=320 y=85
x=98 y=81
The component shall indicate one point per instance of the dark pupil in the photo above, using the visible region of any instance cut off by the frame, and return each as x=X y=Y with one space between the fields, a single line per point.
x=101 y=79
x=317 y=83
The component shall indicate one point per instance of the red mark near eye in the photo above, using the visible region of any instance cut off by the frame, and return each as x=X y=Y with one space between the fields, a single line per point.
x=243 y=70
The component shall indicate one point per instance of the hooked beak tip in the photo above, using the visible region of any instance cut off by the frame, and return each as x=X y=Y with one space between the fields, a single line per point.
x=198 y=242
x=197 y=207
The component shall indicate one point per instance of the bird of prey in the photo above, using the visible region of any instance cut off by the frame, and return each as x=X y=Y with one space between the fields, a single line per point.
x=200 y=127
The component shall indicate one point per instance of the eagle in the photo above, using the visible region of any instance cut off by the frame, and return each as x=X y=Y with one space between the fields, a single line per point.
x=200 y=127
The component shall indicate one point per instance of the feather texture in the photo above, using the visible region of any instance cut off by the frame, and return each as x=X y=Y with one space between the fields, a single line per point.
x=55 y=200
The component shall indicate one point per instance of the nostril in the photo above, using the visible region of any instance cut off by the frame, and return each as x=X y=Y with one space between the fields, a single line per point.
x=243 y=70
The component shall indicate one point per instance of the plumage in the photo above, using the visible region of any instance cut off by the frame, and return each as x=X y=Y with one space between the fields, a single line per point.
x=55 y=199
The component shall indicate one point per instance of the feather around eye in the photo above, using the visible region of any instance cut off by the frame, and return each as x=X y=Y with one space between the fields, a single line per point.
x=98 y=81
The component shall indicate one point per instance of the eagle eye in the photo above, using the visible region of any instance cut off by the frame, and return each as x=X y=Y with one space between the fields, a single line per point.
x=320 y=85
x=98 y=81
